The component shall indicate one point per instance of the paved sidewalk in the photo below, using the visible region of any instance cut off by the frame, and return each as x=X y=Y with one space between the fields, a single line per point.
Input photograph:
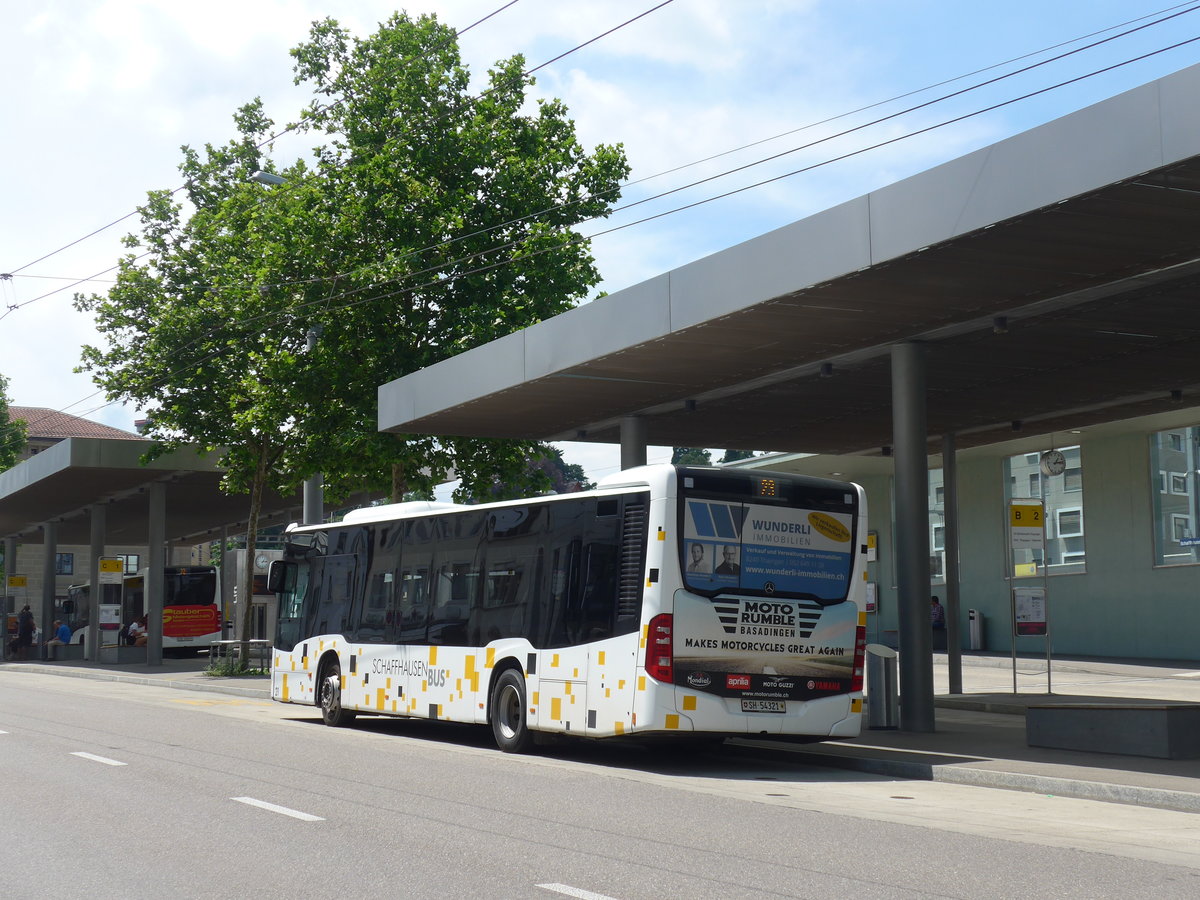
x=979 y=737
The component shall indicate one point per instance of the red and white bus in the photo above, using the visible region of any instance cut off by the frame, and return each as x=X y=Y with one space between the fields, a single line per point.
x=191 y=617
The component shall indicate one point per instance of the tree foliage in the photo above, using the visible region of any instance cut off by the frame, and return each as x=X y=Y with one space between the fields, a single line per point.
x=735 y=455
x=427 y=222
x=690 y=456
x=13 y=433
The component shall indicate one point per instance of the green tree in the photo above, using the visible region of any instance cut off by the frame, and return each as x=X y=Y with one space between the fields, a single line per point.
x=690 y=456
x=427 y=224
x=735 y=455
x=451 y=221
x=13 y=432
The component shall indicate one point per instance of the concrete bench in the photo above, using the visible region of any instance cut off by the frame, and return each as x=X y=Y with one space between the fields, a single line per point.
x=56 y=652
x=1159 y=730
x=119 y=653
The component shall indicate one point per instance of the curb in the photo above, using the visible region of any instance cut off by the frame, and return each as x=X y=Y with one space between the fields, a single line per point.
x=1159 y=798
x=93 y=675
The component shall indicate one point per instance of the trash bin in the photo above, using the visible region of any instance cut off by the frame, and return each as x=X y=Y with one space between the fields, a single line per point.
x=975 y=635
x=883 y=687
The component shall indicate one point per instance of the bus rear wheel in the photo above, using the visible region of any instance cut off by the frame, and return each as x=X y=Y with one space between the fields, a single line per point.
x=332 y=711
x=510 y=724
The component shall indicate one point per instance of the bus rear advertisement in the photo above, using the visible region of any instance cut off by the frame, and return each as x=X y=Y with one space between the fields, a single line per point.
x=668 y=601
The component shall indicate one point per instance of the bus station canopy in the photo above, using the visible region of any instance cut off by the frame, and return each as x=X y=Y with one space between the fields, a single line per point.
x=63 y=482
x=1052 y=279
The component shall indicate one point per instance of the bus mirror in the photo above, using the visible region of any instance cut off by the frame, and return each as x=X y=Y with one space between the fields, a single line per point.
x=277 y=576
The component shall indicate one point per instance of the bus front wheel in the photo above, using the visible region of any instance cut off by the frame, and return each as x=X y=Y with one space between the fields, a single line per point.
x=332 y=711
x=510 y=724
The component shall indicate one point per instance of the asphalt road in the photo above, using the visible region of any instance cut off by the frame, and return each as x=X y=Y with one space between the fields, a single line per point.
x=132 y=791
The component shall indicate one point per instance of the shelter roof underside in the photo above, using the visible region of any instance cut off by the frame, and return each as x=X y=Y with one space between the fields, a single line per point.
x=1069 y=313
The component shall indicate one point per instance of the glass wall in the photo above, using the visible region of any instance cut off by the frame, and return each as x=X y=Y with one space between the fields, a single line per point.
x=1062 y=495
x=1174 y=464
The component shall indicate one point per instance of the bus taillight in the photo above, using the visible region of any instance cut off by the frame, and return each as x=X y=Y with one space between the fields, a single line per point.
x=860 y=657
x=660 y=659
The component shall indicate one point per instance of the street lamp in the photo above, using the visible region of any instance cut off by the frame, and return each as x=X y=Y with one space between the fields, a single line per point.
x=268 y=178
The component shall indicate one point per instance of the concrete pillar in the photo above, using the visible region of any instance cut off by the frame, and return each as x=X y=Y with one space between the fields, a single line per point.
x=99 y=522
x=10 y=567
x=154 y=577
x=953 y=606
x=633 y=442
x=912 y=536
x=45 y=619
x=314 y=500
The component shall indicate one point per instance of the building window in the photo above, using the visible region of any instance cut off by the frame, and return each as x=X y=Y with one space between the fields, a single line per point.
x=64 y=563
x=1069 y=522
x=1181 y=528
x=1174 y=460
x=937 y=526
x=1063 y=497
x=130 y=562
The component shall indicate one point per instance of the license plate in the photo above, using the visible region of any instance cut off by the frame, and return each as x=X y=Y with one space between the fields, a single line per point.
x=771 y=706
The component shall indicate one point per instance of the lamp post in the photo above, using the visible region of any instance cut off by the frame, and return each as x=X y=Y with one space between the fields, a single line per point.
x=314 y=499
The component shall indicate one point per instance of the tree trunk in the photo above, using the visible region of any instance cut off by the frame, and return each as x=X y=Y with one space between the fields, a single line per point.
x=246 y=589
x=399 y=482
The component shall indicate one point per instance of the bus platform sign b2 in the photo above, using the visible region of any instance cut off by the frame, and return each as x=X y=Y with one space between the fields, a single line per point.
x=1027 y=525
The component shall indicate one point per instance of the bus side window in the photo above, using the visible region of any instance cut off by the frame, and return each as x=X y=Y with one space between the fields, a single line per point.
x=413 y=607
x=338 y=590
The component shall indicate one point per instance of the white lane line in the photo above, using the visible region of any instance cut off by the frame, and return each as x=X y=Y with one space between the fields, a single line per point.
x=580 y=893
x=100 y=759
x=282 y=810
x=1187 y=675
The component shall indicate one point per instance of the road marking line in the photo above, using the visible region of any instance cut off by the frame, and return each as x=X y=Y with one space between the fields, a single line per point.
x=100 y=759
x=1187 y=674
x=579 y=893
x=282 y=810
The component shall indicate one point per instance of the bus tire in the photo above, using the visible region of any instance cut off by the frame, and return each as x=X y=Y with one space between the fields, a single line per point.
x=330 y=699
x=510 y=722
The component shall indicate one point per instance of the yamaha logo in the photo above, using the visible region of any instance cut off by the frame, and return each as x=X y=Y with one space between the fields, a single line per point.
x=811 y=685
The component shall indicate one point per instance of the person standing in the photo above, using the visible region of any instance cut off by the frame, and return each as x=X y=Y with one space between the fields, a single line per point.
x=937 y=613
x=25 y=629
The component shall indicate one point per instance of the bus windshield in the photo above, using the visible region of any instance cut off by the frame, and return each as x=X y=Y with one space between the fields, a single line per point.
x=768 y=537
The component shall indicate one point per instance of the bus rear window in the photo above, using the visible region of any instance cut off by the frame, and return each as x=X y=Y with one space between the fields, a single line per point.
x=770 y=549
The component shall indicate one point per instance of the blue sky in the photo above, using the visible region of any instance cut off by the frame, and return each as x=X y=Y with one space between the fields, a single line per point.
x=99 y=96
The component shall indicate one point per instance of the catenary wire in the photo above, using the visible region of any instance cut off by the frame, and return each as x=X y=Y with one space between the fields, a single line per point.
x=458 y=33
x=574 y=239
x=526 y=73
x=577 y=239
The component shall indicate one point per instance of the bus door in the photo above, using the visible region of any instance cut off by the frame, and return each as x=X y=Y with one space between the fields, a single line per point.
x=563 y=666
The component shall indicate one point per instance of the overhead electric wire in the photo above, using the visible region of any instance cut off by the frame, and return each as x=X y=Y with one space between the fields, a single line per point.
x=458 y=33
x=577 y=239
x=526 y=73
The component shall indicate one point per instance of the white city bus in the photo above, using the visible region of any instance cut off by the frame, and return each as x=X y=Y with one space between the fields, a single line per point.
x=668 y=601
